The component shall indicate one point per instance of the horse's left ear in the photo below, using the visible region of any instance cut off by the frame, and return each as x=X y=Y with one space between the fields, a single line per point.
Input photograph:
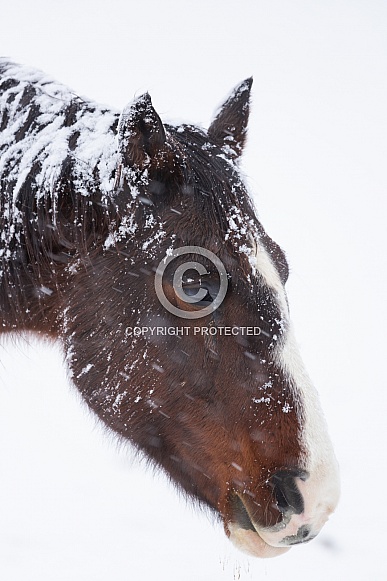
x=229 y=127
x=141 y=133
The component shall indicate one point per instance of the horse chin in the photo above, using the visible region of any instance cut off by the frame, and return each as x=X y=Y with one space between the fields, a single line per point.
x=252 y=543
x=245 y=535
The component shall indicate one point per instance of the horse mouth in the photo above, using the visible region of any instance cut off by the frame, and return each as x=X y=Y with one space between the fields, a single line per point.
x=245 y=535
x=240 y=514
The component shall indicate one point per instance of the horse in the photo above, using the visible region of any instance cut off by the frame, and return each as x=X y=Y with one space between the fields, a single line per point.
x=137 y=245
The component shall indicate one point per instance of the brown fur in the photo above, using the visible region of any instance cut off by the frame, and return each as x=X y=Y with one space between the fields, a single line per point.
x=187 y=402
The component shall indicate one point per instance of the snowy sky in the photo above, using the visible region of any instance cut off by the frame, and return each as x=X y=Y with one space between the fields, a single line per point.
x=71 y=506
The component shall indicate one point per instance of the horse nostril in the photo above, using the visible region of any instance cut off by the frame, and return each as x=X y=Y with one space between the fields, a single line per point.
x=303 y=532
x=287 y=494
x=303 y=536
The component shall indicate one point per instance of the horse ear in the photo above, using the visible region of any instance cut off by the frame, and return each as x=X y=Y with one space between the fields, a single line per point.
x=141 y=132
x=229 y=127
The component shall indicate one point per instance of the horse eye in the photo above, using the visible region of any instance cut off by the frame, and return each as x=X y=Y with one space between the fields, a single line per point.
x=191 y=289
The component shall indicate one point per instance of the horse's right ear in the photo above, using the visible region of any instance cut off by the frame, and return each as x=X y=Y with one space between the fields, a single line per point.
x=141 y=133
x=229 y=127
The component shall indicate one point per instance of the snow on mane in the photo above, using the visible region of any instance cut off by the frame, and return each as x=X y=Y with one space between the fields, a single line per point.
x=44 y=125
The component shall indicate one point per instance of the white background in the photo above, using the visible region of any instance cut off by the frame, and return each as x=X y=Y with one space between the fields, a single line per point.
x=73 y=507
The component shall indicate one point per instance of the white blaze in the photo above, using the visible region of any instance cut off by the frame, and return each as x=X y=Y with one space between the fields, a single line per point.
x=321 y=490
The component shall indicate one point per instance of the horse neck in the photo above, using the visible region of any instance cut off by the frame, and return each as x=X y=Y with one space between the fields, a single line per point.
x=27 y=293
x=57 y=156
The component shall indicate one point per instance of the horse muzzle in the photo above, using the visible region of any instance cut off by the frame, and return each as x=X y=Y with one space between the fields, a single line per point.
x=304 y=503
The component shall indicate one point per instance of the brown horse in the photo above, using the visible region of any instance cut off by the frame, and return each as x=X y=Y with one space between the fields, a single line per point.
x=137 y=245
